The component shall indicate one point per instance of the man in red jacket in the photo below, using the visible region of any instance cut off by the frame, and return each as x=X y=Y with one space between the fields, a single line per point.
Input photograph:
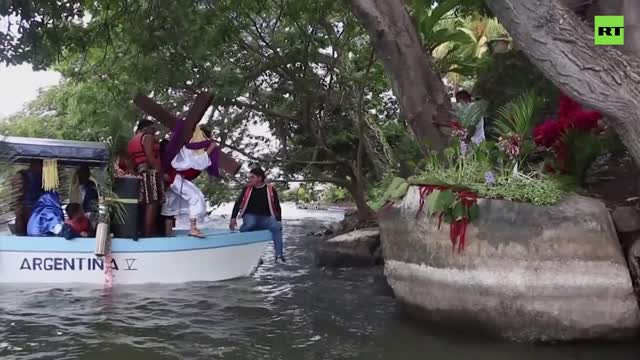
x=259 y=208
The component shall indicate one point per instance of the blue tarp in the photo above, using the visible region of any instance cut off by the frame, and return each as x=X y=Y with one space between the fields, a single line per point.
x=46 y=215
x=67 y=152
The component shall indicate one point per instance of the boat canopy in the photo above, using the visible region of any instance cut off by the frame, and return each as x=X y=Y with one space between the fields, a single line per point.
x=22 y=150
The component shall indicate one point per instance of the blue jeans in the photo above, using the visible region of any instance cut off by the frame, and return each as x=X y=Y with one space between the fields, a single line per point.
x=252 y=222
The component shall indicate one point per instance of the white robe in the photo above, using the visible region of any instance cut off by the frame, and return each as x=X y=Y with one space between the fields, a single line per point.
x=184 y=198
x=191 y=159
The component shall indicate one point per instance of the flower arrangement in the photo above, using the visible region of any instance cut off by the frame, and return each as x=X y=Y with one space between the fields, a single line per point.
x=452 y=182
x=508 y=168
x=574 y=138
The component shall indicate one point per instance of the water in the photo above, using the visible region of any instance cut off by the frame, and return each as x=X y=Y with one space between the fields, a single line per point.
x=295 y=311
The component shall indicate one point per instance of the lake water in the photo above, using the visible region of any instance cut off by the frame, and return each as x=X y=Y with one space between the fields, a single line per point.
x=296 y=311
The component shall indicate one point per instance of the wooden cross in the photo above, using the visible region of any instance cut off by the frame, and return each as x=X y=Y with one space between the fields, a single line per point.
x=195 y=114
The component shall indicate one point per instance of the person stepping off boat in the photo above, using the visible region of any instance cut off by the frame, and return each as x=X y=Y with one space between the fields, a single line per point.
x=259 y=208
x=183 y=196
x=183 y=156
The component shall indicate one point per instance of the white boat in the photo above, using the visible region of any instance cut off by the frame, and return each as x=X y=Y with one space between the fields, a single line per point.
x=222 y=255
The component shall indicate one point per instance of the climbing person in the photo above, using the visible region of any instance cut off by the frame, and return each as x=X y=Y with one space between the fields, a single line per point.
x=28 y=186
x=183 y=196
x=191 y=154
x=144 y=152
x=259 y=208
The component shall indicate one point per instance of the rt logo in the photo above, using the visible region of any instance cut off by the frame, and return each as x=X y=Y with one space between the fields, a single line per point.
x=609 y=30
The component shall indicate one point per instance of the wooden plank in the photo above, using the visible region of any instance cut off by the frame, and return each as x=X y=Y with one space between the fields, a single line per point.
x=228 y=164
x=202 y=102
x=155 y=110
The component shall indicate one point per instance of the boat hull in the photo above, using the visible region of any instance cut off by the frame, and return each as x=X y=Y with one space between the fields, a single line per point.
x=222 y=255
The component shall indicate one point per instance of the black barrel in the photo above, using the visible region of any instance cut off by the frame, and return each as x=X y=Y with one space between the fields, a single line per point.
x=124 y=215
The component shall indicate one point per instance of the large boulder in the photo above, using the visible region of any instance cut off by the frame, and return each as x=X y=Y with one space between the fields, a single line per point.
x=356 y=248
x=626 y=219
x=527 y=273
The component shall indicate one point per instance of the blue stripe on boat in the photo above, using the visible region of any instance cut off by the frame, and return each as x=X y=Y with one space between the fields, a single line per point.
x=215 y=238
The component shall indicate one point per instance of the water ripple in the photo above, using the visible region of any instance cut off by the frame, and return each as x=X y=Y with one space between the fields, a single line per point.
x=295 y=311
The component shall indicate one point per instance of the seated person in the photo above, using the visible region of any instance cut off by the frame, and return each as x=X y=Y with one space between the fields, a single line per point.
x=46 y=218
x=259 y=208
x=77 y=224
x=28 y=186
x=84 y=190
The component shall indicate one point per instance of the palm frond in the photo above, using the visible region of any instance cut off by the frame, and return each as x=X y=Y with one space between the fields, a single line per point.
x=470 y=114
x=518 y=116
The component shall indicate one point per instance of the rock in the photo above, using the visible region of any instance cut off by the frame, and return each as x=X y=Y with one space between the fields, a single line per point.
x=323 y=233
x=356 y=248
x=626 y=219
x=527 y=273
x=633 y=258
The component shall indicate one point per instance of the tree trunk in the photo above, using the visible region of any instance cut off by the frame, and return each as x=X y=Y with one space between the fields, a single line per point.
x=417 y=85
x=359 y=196
x=561 y=46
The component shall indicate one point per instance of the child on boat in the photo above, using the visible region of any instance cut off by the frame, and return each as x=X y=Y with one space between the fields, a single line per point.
x=77 y=224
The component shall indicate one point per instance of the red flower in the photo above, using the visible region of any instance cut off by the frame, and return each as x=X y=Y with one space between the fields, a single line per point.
x=547 y=133
x=457 y=130
x=571 y=115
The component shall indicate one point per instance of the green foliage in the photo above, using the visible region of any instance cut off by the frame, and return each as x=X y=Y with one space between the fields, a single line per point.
x=439 y=201
x=469 y=114
x=537 y=189
x=306 y=194
x=449 y=206
x=582 y=150
x=335 y=194
x=217 y=192
x=518 y=116
x=289 y=195
x=509 y=75
x=405 y=148
x=471 y=171
x=75 y=111
x=379 y=193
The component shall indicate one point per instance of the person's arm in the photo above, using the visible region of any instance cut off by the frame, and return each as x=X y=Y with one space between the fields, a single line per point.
x=147 y=145
x=276 y=203
x=233 y=223
x=68 y=232
x=198 y=145
x=236 y=206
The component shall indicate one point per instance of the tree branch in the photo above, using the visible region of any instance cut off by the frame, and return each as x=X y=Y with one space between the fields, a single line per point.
x=261 y=109
x=327 y=179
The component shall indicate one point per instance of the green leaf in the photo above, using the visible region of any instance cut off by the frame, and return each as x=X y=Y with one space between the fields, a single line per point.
x=448 y=218
x=458 y=210
x=439 y=201
x=474 y=212
x=444 y=35
x=437 y=14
